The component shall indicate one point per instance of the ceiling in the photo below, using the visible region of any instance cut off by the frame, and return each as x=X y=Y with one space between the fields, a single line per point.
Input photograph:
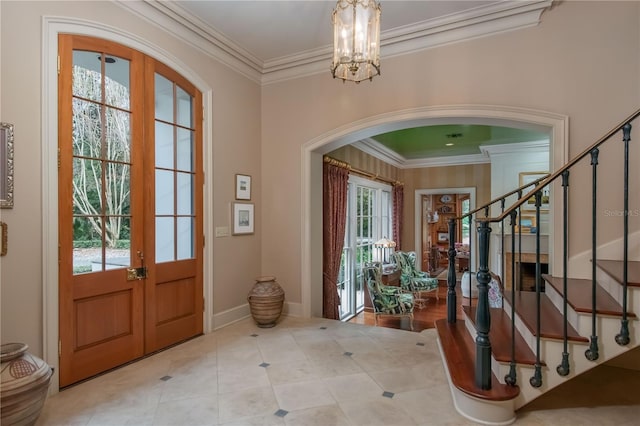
x=452 y=140
x=270 y=30
x=270 y=41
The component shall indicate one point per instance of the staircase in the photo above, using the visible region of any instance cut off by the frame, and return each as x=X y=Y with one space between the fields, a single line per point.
x=500 y=358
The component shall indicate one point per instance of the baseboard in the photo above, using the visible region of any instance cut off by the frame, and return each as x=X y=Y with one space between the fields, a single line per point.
x=230 y=316
x=233 y=315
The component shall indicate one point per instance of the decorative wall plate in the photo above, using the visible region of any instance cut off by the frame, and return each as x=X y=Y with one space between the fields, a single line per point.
x=446 y=198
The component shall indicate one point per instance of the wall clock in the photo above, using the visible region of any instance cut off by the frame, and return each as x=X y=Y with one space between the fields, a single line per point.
x=446 y=198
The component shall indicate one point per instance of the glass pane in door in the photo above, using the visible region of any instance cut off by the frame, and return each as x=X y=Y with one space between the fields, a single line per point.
x=101 y=161
x=175 y=174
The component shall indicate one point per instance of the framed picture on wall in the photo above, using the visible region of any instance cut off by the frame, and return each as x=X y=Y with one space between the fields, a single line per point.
x=528 y=223
x=243 y=219
x=443 y=237
x=243 y=187
x=6 y=165
x=530 y=204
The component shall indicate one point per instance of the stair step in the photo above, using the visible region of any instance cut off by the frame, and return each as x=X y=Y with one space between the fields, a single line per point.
x=579 y=296
x=551 y=321
x=614 y=268
x=500 y=337
x=460 y=354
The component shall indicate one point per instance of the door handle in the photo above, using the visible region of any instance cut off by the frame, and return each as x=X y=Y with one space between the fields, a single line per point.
x=137 y=273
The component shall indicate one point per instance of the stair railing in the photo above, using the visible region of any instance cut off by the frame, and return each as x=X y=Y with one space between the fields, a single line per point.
x=451 y=252
x=483 y=319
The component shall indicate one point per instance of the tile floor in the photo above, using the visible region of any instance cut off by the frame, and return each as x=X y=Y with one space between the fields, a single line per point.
x=307 y=372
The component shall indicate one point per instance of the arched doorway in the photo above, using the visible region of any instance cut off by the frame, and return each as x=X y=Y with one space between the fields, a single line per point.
x=52 y=27
x=555 y=125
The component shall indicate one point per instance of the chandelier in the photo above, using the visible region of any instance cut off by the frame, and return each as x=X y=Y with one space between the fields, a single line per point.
x=356 y=40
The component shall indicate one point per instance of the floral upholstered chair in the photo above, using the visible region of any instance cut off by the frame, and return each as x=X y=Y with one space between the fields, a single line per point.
x=387 y=300
x=413 y=280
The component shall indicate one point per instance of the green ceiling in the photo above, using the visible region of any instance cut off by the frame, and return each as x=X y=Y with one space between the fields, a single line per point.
x=430 y=141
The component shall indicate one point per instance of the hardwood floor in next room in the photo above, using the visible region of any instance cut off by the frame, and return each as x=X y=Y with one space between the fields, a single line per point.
x=423 y=318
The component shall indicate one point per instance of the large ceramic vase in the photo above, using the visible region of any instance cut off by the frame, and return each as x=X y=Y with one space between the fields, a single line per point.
x=265 y=300
x=24 y=386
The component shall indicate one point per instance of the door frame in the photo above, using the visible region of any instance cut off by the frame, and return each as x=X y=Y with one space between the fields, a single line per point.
x=557 y=125
x=51 y=27
x=471 y=190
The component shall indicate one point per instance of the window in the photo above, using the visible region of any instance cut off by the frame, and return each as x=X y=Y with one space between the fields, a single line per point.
x=369 y=218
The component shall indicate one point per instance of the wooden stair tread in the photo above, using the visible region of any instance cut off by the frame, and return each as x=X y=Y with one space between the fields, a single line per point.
x=500 y=337
x=579 y=296
x=460 y=354
x=614 y=268
x=551 y=321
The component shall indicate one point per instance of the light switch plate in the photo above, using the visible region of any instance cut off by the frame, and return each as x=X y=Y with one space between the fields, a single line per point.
x=222 y=231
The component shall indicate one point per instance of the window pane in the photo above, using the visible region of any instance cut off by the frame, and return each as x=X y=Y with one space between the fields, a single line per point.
x=87 y=129
x=87 y=186
x=184 y=115
x=118 y=130
x=87 y=244
x=164 y=145
x=164 y=99
x=117 y=194
x=185 y=238
x=87 y=77
x=118 y=248
x=116 y=83
x=164 y=239
x=164 y=192
x=185 y=193
x=185 y=150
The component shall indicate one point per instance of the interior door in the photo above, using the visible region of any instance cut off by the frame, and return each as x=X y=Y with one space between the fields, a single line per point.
x=130 y=275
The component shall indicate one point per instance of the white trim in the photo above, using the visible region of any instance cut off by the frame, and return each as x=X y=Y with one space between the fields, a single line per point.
x=471 y=190
x=311 y=156
x=51 y=27
x=478 y=22
x=515 y=148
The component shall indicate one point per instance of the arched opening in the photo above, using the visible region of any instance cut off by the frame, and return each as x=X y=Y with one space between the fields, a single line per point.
x=51 y=28
x=555 y=125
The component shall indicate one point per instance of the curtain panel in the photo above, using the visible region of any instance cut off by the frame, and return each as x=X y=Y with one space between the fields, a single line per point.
x=398 y=203
x=334 y=188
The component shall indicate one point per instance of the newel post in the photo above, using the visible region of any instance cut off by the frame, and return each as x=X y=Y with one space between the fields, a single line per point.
x=483 y=318
x=451 y=276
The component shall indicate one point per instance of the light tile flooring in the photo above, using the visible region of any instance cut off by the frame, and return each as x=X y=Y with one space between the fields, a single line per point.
x=309 y=372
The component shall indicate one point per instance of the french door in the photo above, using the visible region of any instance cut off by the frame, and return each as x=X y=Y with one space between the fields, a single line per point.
x=369 y=218
x=130 y=206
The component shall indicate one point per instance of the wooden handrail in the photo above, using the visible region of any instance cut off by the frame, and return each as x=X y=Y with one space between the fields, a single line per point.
x=490 y=203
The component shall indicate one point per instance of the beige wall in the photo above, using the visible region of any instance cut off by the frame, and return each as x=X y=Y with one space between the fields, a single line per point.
x=368 y=163
x=476 y=176
x=564 y=66
x=234 y=146
x=582 y=61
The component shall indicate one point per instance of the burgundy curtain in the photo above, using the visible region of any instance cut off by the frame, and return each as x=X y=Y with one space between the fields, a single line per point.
x=334 y=188
x=398 y=203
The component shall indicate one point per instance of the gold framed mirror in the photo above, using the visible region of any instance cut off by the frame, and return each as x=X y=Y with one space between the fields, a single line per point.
x=6 y=165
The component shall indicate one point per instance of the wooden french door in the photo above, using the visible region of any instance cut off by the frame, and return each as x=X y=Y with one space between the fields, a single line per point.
x=130 y=206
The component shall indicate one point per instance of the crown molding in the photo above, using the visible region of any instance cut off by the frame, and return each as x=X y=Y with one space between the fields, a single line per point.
x=381 y=152
x=478 y=22
x=192 y=31
x=515 y=148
